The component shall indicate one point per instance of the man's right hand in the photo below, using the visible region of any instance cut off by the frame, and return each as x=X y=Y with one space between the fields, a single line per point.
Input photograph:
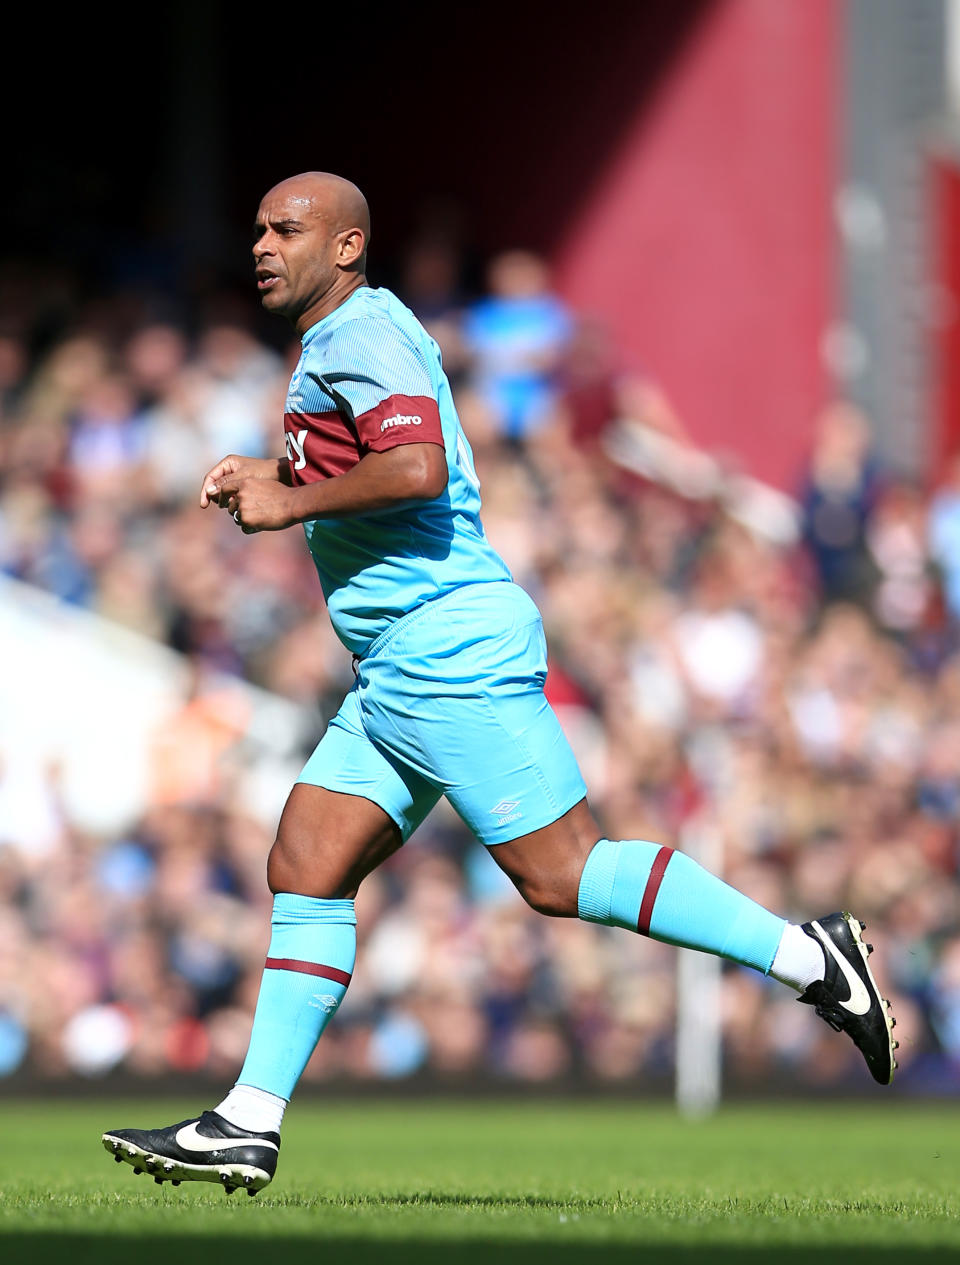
x=274 y=468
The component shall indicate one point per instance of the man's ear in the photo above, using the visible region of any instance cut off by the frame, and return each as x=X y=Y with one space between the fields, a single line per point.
x=351 y=247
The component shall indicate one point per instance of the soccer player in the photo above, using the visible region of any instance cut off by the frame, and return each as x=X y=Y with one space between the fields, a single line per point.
x=448 y=700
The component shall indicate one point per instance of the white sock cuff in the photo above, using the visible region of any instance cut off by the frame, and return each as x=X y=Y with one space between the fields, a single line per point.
x=799 y=960
x=255 y=1109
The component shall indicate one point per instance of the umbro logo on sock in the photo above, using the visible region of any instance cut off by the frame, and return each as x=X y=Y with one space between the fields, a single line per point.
x=325 y=1002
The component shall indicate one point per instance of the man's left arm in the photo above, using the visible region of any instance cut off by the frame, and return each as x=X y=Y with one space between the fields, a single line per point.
x=385 y=393
x=407 y=472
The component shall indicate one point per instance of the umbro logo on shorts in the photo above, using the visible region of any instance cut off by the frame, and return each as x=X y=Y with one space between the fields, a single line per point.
x=504 y=811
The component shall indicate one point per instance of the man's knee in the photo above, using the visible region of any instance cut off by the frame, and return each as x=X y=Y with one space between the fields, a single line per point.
x=548 y=894
x=327 y=843
x=545 y=866
x=285 y=868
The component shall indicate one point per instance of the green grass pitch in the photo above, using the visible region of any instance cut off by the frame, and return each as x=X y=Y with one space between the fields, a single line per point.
x=501 y=1182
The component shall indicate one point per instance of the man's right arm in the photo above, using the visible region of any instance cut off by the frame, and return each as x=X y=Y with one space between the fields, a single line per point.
x=275 y=468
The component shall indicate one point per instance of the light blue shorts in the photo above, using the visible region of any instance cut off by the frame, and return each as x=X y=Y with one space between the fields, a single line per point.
x=449 y=701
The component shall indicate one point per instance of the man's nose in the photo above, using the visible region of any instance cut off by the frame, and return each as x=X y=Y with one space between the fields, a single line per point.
x=262 y=246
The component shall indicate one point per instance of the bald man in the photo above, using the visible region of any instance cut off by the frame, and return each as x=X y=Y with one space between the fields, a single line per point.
x=448 y=700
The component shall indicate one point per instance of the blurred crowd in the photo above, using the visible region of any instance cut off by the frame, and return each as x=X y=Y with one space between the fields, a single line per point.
x=788 y=710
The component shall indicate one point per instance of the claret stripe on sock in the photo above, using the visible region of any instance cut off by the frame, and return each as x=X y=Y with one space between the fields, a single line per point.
x=308 y=968
x=657 y=870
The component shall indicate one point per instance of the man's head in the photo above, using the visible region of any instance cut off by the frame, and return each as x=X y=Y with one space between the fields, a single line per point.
x=311 y=246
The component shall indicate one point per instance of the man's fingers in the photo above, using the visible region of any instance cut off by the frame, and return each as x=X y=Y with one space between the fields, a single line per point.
x=214 y=493
x=209 y=487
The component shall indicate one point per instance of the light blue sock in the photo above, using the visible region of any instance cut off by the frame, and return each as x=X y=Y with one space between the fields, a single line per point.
x=667 y=896
x=308 y=968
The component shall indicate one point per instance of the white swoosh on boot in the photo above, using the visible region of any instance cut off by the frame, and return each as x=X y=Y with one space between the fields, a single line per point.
x=859 y=1001
x=191 y=1140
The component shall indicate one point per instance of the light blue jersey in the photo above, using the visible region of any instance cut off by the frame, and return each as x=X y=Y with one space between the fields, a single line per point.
x=369 y=379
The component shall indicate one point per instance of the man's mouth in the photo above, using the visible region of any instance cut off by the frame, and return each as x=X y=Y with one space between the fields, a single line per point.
x=266 y=281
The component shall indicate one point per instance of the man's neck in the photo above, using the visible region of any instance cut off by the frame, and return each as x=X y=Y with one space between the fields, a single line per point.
x=335 y=297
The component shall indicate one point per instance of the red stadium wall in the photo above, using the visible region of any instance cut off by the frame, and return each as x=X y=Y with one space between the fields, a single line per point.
x=706 y=241
x=945 y=191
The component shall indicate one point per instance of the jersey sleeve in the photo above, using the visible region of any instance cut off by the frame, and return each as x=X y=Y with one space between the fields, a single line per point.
x=383 y=384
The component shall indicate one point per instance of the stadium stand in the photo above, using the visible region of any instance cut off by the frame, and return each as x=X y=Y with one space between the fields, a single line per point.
x=164 y=675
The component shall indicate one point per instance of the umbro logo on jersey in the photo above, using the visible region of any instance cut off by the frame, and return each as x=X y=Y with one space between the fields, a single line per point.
x=400 y=419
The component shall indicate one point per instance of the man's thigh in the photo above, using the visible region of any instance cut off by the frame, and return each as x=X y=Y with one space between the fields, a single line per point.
x=351 y=807
x=349 y=762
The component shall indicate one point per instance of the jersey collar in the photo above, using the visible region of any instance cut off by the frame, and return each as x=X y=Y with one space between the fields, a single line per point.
x=332 y=317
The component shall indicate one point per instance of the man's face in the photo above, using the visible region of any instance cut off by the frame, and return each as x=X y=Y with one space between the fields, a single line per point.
x=294 y=254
